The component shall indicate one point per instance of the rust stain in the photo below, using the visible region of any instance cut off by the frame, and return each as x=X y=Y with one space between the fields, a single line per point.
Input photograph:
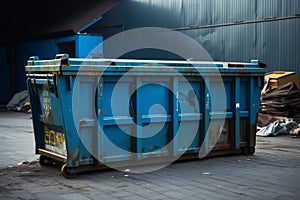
x=82 y=122
x=191 y=99
x=75 y=160
x=74 y=156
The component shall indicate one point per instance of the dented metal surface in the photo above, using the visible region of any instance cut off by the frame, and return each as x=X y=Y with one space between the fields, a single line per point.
x=87 y=131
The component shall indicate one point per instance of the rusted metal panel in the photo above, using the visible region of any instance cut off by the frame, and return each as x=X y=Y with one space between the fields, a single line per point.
x=137 y=110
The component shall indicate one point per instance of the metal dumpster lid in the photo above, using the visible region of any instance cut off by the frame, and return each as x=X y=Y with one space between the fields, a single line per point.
x=62 y=63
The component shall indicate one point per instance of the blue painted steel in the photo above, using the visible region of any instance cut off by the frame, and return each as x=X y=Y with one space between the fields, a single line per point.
x=84 y=44
x=175 y=113
x=48 y=48
x=51 y=86
x=207 y=113
x=237 y=111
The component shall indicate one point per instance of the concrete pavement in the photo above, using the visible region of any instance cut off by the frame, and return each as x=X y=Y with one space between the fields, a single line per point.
x=272 y=173
x=16 y=138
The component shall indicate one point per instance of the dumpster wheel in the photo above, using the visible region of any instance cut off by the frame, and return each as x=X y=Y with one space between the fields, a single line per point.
x=44 y=161
x=249 y=151
x=67 y=172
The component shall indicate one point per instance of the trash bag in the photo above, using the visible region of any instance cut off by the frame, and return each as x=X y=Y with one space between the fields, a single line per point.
x=19 y=102
x=274 y=129
x=279 y=127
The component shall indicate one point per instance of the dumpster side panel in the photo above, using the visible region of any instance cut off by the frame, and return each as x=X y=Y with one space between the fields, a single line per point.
x=125 y=127
x=141 y=121
x=152 y=112
x=124 y=116
x=117 y=125
x=256 y=83
x=79 y=118
x=190 y=98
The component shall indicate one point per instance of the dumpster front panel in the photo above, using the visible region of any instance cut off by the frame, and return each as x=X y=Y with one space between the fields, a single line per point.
x=47 y=114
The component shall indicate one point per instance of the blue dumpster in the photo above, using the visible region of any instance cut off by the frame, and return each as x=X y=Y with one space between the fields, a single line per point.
x=90 y=113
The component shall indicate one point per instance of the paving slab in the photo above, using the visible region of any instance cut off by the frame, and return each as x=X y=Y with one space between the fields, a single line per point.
x=272 y=173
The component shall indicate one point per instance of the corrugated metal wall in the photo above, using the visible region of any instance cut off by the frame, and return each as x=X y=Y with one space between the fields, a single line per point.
x=277 y=43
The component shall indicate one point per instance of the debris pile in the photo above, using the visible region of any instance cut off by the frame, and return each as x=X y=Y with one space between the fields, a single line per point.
x=280 y=111
x=20 y=102
x=282 y=101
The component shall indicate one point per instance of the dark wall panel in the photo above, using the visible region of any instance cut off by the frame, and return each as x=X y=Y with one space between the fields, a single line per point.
x=276 y=43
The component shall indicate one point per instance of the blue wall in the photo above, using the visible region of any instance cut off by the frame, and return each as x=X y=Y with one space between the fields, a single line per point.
x=42 y=48
x=13 y=81
x=47 y=49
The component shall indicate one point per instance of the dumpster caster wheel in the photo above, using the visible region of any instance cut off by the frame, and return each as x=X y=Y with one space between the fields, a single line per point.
x=249 y=151
x=66 y=171
x=44 y=161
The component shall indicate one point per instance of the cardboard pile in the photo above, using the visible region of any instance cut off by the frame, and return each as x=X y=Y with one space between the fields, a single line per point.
x=280 y=105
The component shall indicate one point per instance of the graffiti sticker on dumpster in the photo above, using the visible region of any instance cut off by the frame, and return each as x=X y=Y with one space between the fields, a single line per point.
x=55 y=141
